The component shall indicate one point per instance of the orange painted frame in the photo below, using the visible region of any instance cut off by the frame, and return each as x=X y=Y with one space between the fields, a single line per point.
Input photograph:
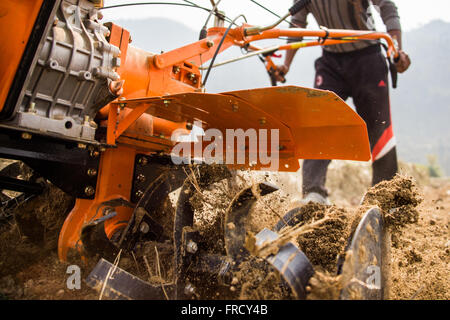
x=19 y=16
x=149 y=75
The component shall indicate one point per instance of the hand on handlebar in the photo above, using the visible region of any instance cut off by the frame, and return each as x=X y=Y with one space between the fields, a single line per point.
x=281 y=72
x=403 y=62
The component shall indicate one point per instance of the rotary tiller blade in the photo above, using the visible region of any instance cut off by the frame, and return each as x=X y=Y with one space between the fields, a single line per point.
x=365 y=269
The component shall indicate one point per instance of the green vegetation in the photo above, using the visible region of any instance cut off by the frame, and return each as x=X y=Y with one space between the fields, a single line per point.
x=434 y=168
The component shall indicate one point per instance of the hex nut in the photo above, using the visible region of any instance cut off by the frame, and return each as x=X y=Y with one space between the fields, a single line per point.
x=191 y=247
x=89 y=191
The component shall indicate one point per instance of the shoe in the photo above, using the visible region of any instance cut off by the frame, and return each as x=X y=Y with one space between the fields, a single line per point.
x=315 y=197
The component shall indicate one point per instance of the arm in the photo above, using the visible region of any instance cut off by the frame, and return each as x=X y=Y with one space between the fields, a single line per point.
x=290 y=54
x=397 y=35
x=390 y=17
x=300 y=19
x=283 y=69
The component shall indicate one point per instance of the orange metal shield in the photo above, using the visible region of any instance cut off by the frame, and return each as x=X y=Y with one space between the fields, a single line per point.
x=312 y=124
x=322 y=124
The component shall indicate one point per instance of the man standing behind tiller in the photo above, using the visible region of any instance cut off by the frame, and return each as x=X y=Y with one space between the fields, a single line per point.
x=357 y=70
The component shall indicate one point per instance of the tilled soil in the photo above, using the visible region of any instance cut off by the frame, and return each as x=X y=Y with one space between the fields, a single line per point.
x=420 y=253
x=421 y=256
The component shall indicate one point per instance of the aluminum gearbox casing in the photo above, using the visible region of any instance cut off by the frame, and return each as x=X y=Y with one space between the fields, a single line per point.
x=68 y=82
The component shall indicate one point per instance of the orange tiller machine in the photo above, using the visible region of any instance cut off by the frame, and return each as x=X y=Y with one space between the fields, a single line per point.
x=94 y=115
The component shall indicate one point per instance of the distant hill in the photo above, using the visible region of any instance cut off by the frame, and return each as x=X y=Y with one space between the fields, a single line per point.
x=146 y=34
x=420 y=106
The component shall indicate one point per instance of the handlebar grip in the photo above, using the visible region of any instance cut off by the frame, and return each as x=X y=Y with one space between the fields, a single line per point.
x=282 y=74
x=299 y=5
x=203 y=33
x=394 y=74
x=273 y=80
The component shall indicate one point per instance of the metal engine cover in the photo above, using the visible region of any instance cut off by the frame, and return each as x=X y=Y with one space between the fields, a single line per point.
x=68 y=81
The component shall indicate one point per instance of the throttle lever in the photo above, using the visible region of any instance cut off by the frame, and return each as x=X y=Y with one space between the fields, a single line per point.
x=298 y=6
x=394 y=72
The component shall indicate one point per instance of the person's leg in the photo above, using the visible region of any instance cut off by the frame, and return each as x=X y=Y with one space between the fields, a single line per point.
x=371 y=98
x=314 y=174
x=385 y=167
x=328 y=77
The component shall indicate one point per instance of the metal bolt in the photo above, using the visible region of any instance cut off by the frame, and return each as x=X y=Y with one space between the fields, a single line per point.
x=166 y=103
x=95 y=154
x=210 y=44
x=235 y=107
x=26 y=135
x=189 y=289
x=262 y=121
x=82 y=146
x=191 y=247
x=191 y=76
x=189 y=126
x=89 y=191
x=32 y=108
x=139 y=193
x=144 y=227
x=92 y=172
x=122 y=106
x=143 y=161
x=93 y=124
x=176 y=69
x=141 y=177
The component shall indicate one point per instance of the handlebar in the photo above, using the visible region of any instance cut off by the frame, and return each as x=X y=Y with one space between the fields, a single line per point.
x=298 y=6
x=255 y=31
x=328 y=37
x=220 y=38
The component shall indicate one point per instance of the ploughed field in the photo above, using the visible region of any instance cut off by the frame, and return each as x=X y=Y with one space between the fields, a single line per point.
x=420 y=253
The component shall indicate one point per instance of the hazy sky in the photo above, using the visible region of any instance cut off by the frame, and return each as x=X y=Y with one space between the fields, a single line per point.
x=413 y=13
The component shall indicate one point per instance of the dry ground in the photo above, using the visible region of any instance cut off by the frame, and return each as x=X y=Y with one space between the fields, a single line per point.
x=420 y=258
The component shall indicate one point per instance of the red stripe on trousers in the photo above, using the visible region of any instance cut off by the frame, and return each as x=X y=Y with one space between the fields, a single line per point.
x=384 y=139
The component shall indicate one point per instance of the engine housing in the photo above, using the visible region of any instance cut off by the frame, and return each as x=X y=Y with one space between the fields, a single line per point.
x=69 y=79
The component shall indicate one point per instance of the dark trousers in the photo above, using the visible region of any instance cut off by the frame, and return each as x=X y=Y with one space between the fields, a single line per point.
x=362 y=75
